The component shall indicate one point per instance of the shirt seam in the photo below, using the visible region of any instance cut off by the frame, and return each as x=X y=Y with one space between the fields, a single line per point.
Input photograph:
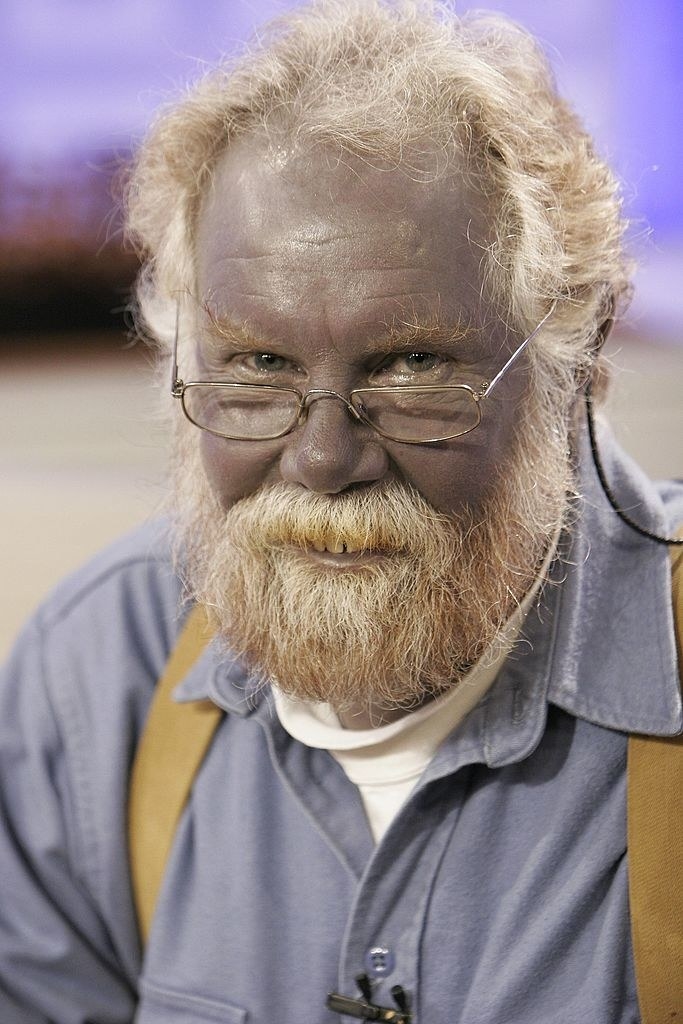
x=77 y=847
x=56 y=608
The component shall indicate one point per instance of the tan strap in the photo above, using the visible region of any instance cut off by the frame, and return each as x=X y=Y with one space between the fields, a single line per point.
x=655 y=851
x=171 y=749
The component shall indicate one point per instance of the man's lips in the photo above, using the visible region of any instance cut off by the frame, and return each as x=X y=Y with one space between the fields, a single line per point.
x=340 y=553
x=341 y=559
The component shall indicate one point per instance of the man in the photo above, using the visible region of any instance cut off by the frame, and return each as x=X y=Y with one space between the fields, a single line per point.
x=387 y=255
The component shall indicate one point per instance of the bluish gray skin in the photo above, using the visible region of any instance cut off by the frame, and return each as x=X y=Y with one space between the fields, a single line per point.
x=319 y=259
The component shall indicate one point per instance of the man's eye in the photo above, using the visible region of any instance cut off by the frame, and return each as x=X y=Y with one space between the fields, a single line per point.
x=420 y=361
x=257 y=368
x=412 y=368
x=263 y=366
x=266 y=361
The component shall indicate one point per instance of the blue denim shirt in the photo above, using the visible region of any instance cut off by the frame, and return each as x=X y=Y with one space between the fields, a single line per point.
x=498 y=894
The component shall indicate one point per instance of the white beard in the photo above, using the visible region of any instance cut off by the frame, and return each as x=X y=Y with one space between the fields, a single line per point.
x=383 y=636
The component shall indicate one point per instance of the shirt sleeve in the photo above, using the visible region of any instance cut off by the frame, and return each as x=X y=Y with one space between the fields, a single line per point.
x=59 y=961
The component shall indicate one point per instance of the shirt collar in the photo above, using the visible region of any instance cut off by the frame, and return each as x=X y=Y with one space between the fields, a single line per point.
x=614 y=651
x=219 y=676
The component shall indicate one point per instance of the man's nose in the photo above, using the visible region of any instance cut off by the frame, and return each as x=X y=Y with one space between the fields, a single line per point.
x=332 y=450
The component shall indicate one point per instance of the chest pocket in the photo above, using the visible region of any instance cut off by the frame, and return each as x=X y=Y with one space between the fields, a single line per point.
x=166 y=1006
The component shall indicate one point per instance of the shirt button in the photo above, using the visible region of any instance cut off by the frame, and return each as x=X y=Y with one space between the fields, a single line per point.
x=379 y=961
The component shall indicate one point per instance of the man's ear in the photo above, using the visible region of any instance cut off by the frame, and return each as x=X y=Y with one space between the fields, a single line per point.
x=595 y=379
x=604 y=330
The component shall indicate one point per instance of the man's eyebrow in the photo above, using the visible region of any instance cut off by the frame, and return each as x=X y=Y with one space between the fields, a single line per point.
x=398 y=334
x=435 y=332
x=219 y=330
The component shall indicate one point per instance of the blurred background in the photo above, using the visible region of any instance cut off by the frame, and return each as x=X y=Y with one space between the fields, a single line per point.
x=80 y=457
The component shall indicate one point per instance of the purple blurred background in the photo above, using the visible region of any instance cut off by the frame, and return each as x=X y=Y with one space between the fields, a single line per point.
x=81 y=78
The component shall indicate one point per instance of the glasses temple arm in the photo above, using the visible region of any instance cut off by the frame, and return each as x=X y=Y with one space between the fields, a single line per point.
x=176 y=383
x=518 y=351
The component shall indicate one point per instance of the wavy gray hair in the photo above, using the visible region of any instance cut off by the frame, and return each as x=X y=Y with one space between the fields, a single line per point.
x=385 y=80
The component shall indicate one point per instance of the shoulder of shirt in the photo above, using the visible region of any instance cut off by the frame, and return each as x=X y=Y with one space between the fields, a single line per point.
x=94 y=650
x=132 y=574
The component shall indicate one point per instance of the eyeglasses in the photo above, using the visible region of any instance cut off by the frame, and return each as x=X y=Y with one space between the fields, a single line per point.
x=409 y=414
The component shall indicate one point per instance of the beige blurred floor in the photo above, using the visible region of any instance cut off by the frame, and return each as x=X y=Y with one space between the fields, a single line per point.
x=81 y=459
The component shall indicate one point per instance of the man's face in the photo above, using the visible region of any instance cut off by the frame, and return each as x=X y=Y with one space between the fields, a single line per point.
x=349 y=568
x=338 y=276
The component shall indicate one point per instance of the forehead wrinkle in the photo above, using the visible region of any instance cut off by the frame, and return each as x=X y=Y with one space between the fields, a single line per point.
x=320 y=237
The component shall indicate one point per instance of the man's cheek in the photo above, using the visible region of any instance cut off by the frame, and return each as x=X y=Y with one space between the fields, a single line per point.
x=455 y=476
x=236 y=469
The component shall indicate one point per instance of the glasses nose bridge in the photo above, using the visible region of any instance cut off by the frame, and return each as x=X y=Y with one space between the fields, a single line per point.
x=314 y=394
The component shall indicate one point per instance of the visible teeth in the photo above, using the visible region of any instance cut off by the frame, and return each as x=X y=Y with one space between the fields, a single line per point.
x=335 y=547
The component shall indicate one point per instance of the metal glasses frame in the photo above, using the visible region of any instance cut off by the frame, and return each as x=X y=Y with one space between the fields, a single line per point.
x=180 y=387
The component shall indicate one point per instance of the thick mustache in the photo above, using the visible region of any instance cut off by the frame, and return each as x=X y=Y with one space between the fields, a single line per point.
x=384 y=518
x=335 y=533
